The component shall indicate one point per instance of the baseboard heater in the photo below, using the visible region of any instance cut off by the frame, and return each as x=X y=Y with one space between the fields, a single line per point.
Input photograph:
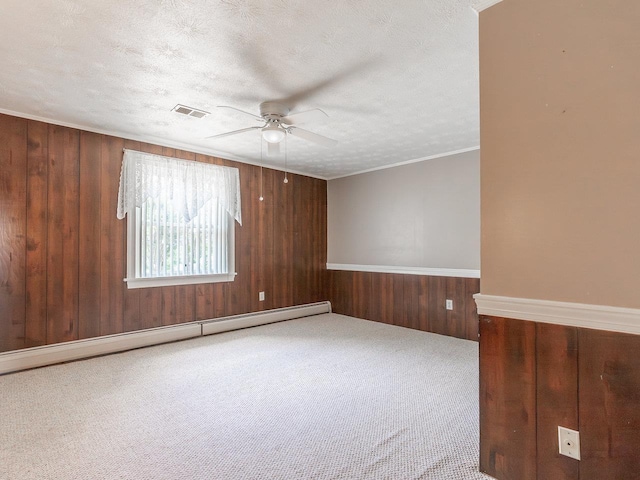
x=91 y=347
x=236 y=322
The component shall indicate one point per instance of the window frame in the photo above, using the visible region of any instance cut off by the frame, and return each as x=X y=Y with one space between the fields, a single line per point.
x=133 y=262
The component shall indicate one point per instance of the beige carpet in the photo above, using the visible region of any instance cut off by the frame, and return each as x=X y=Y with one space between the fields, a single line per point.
x=324 y=397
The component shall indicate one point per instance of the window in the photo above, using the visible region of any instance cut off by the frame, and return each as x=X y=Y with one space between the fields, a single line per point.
x=180 y=218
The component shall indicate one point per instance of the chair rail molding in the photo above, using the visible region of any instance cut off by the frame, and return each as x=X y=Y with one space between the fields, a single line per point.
x=433 y=272
x=598 y=317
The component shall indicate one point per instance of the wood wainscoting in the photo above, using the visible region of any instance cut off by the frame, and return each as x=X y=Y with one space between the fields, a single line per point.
x=535 y=377
x=413 y=301
x=63 y=251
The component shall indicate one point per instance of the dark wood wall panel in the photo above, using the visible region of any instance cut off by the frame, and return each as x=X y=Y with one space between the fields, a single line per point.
x=244 y=295
x=456 y=321
x=508 y=398
x=63 y=251
x=472 y=286
x=308 y=240
x=557 y=391
x=609 y=402
x=341 y=291
x=416 y=300
x=62 y=238
x=265 y=226
x=390 y=288
x=89 y=231
x=112 y=241
x=37 y=219
x=535 y=377
x=13 y=231
x=412 y=301
x=437 y=311
x=254 y=253
x=283 y=241
x=320 y=241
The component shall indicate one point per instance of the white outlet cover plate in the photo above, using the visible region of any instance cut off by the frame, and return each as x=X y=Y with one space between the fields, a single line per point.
x=569 y=442
x=448 y=304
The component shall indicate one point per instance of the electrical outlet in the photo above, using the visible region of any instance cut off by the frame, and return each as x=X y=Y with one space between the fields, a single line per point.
x=569 y=442
x=448 y=304
x=261 y=296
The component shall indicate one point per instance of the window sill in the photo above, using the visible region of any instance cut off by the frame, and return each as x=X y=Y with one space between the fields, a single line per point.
x=174 y=281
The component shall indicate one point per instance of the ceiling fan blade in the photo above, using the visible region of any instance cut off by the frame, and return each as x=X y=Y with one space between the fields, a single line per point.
x=235 y=132
x=257 y=59
x=310 y=116
x=347 y=74
x=312 y=137
x=273 y=149
x=255 y=117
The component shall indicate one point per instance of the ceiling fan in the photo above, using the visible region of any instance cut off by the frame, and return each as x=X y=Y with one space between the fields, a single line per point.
x=277 y=123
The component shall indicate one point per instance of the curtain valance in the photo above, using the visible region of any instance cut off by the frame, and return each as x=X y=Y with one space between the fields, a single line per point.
x=188 y=184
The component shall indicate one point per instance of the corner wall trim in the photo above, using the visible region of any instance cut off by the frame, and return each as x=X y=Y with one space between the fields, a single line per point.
x=598 y=317
x=434 y=272
x=34 y=357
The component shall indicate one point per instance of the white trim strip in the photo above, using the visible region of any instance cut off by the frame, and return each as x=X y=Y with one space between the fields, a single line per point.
x=270 y=316
x=598 y=317
x=91 y=347
x=483 y=5
x=433 y=272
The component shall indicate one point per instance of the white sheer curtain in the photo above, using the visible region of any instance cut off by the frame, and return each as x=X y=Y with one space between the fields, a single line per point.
x=189 y=185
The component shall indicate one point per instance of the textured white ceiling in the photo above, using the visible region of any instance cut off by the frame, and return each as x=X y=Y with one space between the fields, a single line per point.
x=398 y=79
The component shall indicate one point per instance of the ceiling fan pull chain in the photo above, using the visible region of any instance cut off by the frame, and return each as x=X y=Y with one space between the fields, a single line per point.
x=286 y=180
x=261 y=198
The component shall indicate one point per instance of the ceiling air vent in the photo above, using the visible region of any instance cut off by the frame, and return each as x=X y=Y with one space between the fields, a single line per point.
x=191 y=112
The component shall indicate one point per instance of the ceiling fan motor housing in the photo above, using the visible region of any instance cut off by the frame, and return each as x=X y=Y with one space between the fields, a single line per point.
x=273 y=110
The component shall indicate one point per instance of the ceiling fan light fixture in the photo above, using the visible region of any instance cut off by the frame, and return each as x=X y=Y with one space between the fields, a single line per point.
x=273 y=134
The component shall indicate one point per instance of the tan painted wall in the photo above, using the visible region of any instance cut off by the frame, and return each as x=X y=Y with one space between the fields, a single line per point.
x=424 y=214
x=560 y=158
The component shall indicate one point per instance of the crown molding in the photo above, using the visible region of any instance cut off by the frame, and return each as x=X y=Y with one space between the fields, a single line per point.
x=408 y=162
x=483 y=5
x=163 y=142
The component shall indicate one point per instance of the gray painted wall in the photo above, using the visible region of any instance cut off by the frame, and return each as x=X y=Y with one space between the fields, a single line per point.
x=424 y=214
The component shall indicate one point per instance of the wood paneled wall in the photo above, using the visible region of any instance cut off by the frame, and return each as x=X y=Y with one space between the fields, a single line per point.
x=63 y=252
x=535 y=377
x=413 y=301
